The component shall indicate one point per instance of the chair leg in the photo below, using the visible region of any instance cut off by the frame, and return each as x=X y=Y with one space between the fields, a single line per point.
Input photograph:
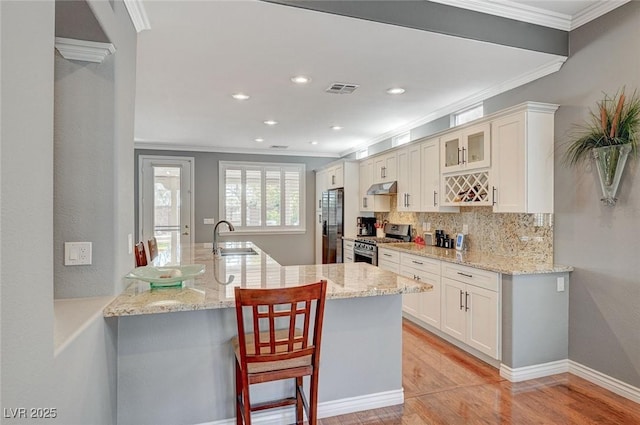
x=238 y=395
x=299 y=402
x=313 y=402
x=246 y=402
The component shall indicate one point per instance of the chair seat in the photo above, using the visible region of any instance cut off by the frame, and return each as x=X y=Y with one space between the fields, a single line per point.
x=259 y=367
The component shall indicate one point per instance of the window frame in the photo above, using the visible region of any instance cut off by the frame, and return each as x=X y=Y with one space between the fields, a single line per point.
x=454 y=117
x=300 y=168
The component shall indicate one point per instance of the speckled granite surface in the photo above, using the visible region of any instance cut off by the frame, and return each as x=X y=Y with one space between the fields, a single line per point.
x=215 y=288
x=481 y=260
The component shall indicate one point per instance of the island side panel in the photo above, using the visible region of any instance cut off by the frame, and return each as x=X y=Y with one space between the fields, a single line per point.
x=178 y=367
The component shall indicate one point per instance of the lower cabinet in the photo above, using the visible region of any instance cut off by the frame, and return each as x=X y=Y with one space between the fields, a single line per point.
x=347 y=251
x=470 y=307
x=425 y=305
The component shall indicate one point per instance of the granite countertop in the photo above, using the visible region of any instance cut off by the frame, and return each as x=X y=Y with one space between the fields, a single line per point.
x=215 y=288
x=480 y=260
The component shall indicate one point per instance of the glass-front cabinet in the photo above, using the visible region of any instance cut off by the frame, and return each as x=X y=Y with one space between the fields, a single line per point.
x=467 y=149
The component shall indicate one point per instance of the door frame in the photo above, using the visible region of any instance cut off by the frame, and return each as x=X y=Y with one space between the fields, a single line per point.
x=160 y=158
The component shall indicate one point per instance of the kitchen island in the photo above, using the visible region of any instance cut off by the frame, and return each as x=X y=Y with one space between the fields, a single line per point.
x=175 y=363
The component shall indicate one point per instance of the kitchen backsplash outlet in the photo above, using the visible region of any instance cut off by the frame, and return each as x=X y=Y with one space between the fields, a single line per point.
x=527 y=236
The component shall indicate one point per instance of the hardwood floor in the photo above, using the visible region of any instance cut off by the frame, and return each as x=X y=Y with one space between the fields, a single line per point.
x=444 y=385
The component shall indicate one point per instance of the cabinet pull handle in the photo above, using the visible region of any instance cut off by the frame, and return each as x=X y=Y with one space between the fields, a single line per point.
x=493 y=195
x=333 y=179
x=387 y=255
x=364 y=202
x=407 y=195
x=416 y=277
x=416 y=262
x=435 y=194
x=319 y=203
x=383 y=172
x=466 y=301
x=461 y=306
x=463 y=155
x=464 y=274
x=458 y=156
x=319 y=218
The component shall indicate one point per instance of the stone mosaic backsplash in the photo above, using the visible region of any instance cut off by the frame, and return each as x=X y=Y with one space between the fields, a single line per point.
x=528 y=236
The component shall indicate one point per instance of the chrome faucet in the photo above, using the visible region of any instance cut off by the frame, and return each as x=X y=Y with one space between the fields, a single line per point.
x=216 y=250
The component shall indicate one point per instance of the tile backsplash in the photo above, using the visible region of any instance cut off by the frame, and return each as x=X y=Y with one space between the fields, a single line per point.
x=527 y=236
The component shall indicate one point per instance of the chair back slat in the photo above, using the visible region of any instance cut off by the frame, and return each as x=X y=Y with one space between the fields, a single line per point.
x=275 y=313
x=140 y=255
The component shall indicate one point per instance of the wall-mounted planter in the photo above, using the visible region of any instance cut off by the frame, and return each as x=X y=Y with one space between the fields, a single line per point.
x=610 y=162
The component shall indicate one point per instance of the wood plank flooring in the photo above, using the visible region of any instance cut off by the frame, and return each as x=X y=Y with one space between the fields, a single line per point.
x=444 y=385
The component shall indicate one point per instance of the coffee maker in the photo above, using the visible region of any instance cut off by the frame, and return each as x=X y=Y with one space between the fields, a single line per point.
x=366 y=226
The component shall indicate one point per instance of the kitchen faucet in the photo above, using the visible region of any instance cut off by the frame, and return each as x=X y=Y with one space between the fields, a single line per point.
x=216 y=250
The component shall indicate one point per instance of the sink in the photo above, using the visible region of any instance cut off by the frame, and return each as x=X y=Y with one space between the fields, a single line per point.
x=237 y=251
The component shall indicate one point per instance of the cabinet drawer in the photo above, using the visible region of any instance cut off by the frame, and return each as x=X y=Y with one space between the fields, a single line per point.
x=347 y=245
x=389 y=266
x=388 y=255
x=428 y=265
x=481 y=278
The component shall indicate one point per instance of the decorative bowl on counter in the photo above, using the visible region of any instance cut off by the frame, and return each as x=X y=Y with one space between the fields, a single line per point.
x=166 y=276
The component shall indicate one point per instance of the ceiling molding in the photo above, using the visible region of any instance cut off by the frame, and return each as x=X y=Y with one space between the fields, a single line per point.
x=199 y=148
x=83 y=50
x=595 y=11
x=520 y=80
x=138 y=14
x=517 y=11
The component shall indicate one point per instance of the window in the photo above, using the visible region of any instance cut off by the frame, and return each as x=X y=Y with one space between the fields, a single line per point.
x=466 y=115
x=262 y=197
x=400 y=139
x=362 y=153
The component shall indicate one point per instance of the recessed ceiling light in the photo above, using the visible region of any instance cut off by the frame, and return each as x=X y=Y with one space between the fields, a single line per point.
x=240 y=96
x=315 y=142
x=336 y=127
x=271 y=122
x=300 y=79
x=395 y=90
x=259 y=140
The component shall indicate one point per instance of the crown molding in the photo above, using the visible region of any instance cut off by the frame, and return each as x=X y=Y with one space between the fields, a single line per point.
x=83 y=50
x=138 y=144
x=138 y=14
x=595 y=11
x=542 y=71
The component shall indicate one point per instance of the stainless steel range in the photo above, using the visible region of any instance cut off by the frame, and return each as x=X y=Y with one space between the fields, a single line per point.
x=365 y=249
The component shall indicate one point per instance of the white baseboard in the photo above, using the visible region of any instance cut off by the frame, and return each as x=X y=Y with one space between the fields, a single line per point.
x=325 y=409
x=535 y=371
x=612 y=384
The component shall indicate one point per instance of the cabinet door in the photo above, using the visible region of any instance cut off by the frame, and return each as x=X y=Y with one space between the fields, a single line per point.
x=336 y=176
x=410 y=302
x=482 y=320
x=318 y=244
x=451 y=151
x=321 y=186
x=366 y=179
x=508 y=169
x=408 y=161
x=429 y=302
x=476 y=146
x=453 y=314
x=384 y=168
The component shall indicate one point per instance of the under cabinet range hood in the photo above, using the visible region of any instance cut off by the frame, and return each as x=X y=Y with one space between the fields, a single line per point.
x=383 y=189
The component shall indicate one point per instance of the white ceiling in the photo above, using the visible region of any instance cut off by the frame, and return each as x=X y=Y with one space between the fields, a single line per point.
x=197 y=54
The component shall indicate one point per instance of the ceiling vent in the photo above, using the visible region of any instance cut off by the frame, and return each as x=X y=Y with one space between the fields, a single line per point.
x=278 y=147
x=342 y=88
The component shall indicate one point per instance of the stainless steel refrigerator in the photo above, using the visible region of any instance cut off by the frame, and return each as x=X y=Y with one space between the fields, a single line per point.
x=332 y=225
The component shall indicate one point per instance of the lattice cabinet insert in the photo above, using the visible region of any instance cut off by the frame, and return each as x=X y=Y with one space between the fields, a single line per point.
x=470 y=188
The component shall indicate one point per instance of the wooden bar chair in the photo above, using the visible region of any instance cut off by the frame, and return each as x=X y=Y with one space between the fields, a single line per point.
x=279 y=347
x=140 y=254
x=153 y=248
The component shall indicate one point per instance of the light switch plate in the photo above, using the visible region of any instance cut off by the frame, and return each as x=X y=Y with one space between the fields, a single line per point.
x=560 y=284
x=77 y=253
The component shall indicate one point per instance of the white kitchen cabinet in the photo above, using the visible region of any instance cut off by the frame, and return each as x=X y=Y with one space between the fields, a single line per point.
x=347 y=251
x=466 y=149
x=522 y=163
x=321 y=186
x=470 y=308
x=425 y=305
x=318 y=237
x=389 y=260
x=335 y=176
x=371 y=203
x=409 y=187
x=385 y=168
x=430 y=178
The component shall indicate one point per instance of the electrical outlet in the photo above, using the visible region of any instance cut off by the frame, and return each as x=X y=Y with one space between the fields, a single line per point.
x=560 y=284
x=428 y=226
x=77 y=253
x=209 y=221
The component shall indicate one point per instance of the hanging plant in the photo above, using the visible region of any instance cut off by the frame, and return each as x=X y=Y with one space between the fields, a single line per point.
x=608 y=138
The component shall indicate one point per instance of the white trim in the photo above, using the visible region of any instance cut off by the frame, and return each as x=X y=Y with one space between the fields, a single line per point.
x=325 y=410
x=534 y=371
x=169 y=146
x=138 y=14
x=595 y=11
x=83 y=50
x=612 y=384
x=542 y=71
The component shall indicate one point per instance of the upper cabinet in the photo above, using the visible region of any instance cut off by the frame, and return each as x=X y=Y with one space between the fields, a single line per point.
x=522 y=163
x=409 y=182
x=335 y=176
x=370 y=203
x=466 y=149
x=321 y=186
x=385 y=168
x=430 y=178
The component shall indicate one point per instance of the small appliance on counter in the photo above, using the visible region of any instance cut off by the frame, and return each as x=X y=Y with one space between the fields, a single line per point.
x=429 y=238
x=365 y=226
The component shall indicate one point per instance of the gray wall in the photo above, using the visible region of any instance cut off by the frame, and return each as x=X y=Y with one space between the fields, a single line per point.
x=79 y=382
x=600 y=242
x=287 y=249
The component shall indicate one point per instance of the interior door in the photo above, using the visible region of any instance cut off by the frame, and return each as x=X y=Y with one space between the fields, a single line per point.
x=166 y=206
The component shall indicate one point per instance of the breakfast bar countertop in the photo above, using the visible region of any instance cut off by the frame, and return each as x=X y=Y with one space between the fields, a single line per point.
x=495 y=263
x=215 y=288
